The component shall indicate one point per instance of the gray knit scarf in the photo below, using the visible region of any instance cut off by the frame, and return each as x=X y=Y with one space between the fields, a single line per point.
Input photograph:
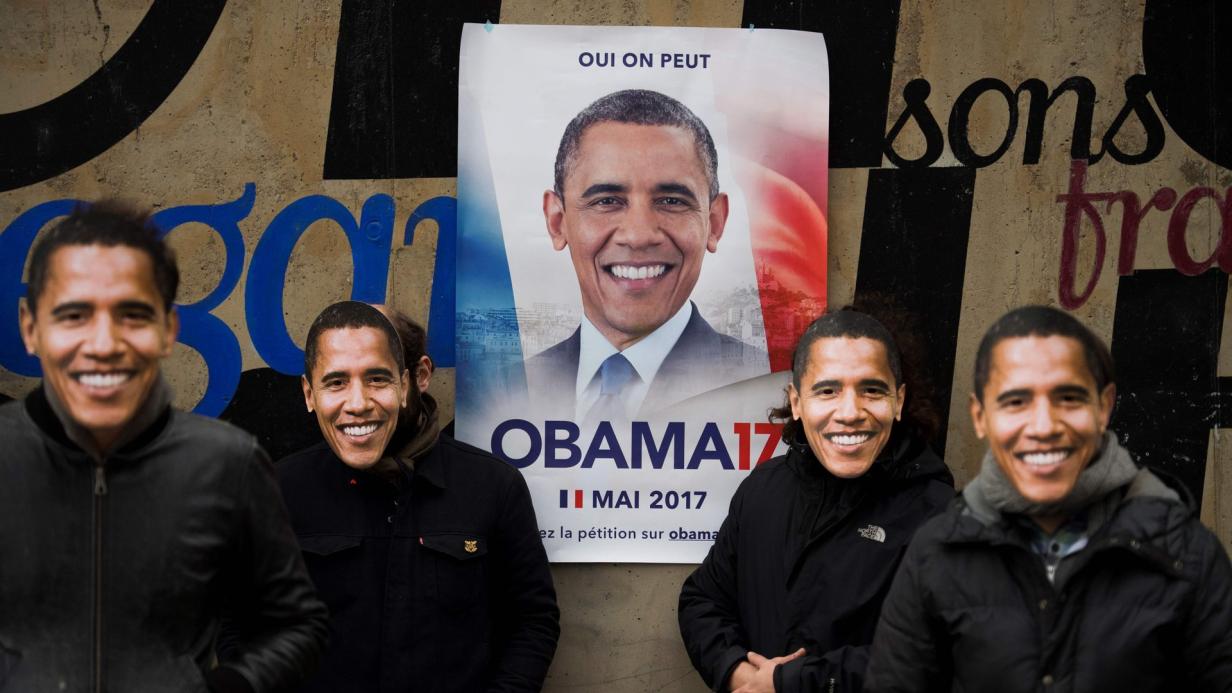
x=1111 y=469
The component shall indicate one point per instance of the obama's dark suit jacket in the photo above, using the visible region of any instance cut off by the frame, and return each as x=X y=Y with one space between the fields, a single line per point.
x=701 y=360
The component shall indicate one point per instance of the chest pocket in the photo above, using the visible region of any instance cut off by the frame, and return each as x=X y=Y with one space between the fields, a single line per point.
x=337 y=567
x=458 y=562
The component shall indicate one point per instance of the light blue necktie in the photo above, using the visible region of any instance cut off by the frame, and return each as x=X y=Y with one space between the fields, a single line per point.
x=615 y=374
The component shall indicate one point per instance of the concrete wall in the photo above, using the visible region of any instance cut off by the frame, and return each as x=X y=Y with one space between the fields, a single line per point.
x=276 y=113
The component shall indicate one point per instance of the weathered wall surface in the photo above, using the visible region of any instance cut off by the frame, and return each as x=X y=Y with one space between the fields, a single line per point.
x=307 y=152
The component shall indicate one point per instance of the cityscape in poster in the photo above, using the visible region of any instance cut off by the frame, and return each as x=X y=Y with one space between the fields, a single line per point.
x=641 y=239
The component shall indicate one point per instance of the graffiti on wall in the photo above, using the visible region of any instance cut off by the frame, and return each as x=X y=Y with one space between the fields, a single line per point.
x=1080 y=207
x=920 y=214
x=44 y=141
x=370 y=237
x=395 y=77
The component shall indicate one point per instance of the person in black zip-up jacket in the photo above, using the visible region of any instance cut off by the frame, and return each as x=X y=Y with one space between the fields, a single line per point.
x=129 y=529
x=1064 y=566
x=788 y=597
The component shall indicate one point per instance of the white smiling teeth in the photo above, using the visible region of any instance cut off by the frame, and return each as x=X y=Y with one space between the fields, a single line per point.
x=359 y=430
x=1041 y=459
x=102 y=380
x=852 y=439
x=643 y=272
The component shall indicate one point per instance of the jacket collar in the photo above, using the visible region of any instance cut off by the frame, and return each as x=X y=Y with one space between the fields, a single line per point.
x=1137 y=517
x=992 y=493
x=151 y=418
x=1128 y=482
x=430 y=468
x=396 y=472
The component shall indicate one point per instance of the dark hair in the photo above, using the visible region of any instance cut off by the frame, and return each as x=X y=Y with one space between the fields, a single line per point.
x=844 y=322
x=350 y=315
x=637 y=107
x=904 y=355
x=414 y=347
x=1043 y=321
x=412 y=335
x=109 y=223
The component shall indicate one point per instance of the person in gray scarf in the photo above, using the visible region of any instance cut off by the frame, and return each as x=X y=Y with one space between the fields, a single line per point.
x=1063 y=565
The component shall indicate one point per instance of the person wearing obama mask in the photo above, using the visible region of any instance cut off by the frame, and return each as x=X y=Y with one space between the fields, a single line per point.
x=788 y=597
x=426 y=550
x=1065 y=566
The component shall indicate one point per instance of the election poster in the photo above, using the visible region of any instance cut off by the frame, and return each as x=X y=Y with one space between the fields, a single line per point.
x=641 y=240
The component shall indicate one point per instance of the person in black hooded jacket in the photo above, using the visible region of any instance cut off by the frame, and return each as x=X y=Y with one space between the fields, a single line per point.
x=789 y=595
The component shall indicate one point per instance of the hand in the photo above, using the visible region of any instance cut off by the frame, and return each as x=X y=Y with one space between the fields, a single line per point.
x=741 y=676
x=756 y=674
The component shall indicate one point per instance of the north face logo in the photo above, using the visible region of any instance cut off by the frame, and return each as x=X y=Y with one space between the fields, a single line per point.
x=872 y=532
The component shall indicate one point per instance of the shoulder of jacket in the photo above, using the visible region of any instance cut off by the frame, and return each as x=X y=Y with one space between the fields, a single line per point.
x=917 y=502
x=938 y=494
x=12 y=414
x=458 y=452
x=306 y=460
x=210 y=432
x=770 y=480
x=557 y=351
x=1206 y=548
x=16 y=428
x=952 y=524
x=1169 y=534
x=728 y=340
x=1144 y=516
x=1199 y=537
x=1191 y=541
x=10 y=409
x=768 y=472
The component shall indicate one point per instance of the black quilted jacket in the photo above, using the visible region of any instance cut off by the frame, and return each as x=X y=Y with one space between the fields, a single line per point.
x=1146 y=606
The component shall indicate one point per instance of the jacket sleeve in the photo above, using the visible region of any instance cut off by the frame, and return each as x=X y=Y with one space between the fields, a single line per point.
x=527 y=620
x=282 y=622
x=908 y=653
x=837 y=670
x=708 y=610
x=1208 y=648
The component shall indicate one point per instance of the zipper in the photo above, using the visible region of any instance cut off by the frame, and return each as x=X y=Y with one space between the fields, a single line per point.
x=830 y=685
x=100 y=492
